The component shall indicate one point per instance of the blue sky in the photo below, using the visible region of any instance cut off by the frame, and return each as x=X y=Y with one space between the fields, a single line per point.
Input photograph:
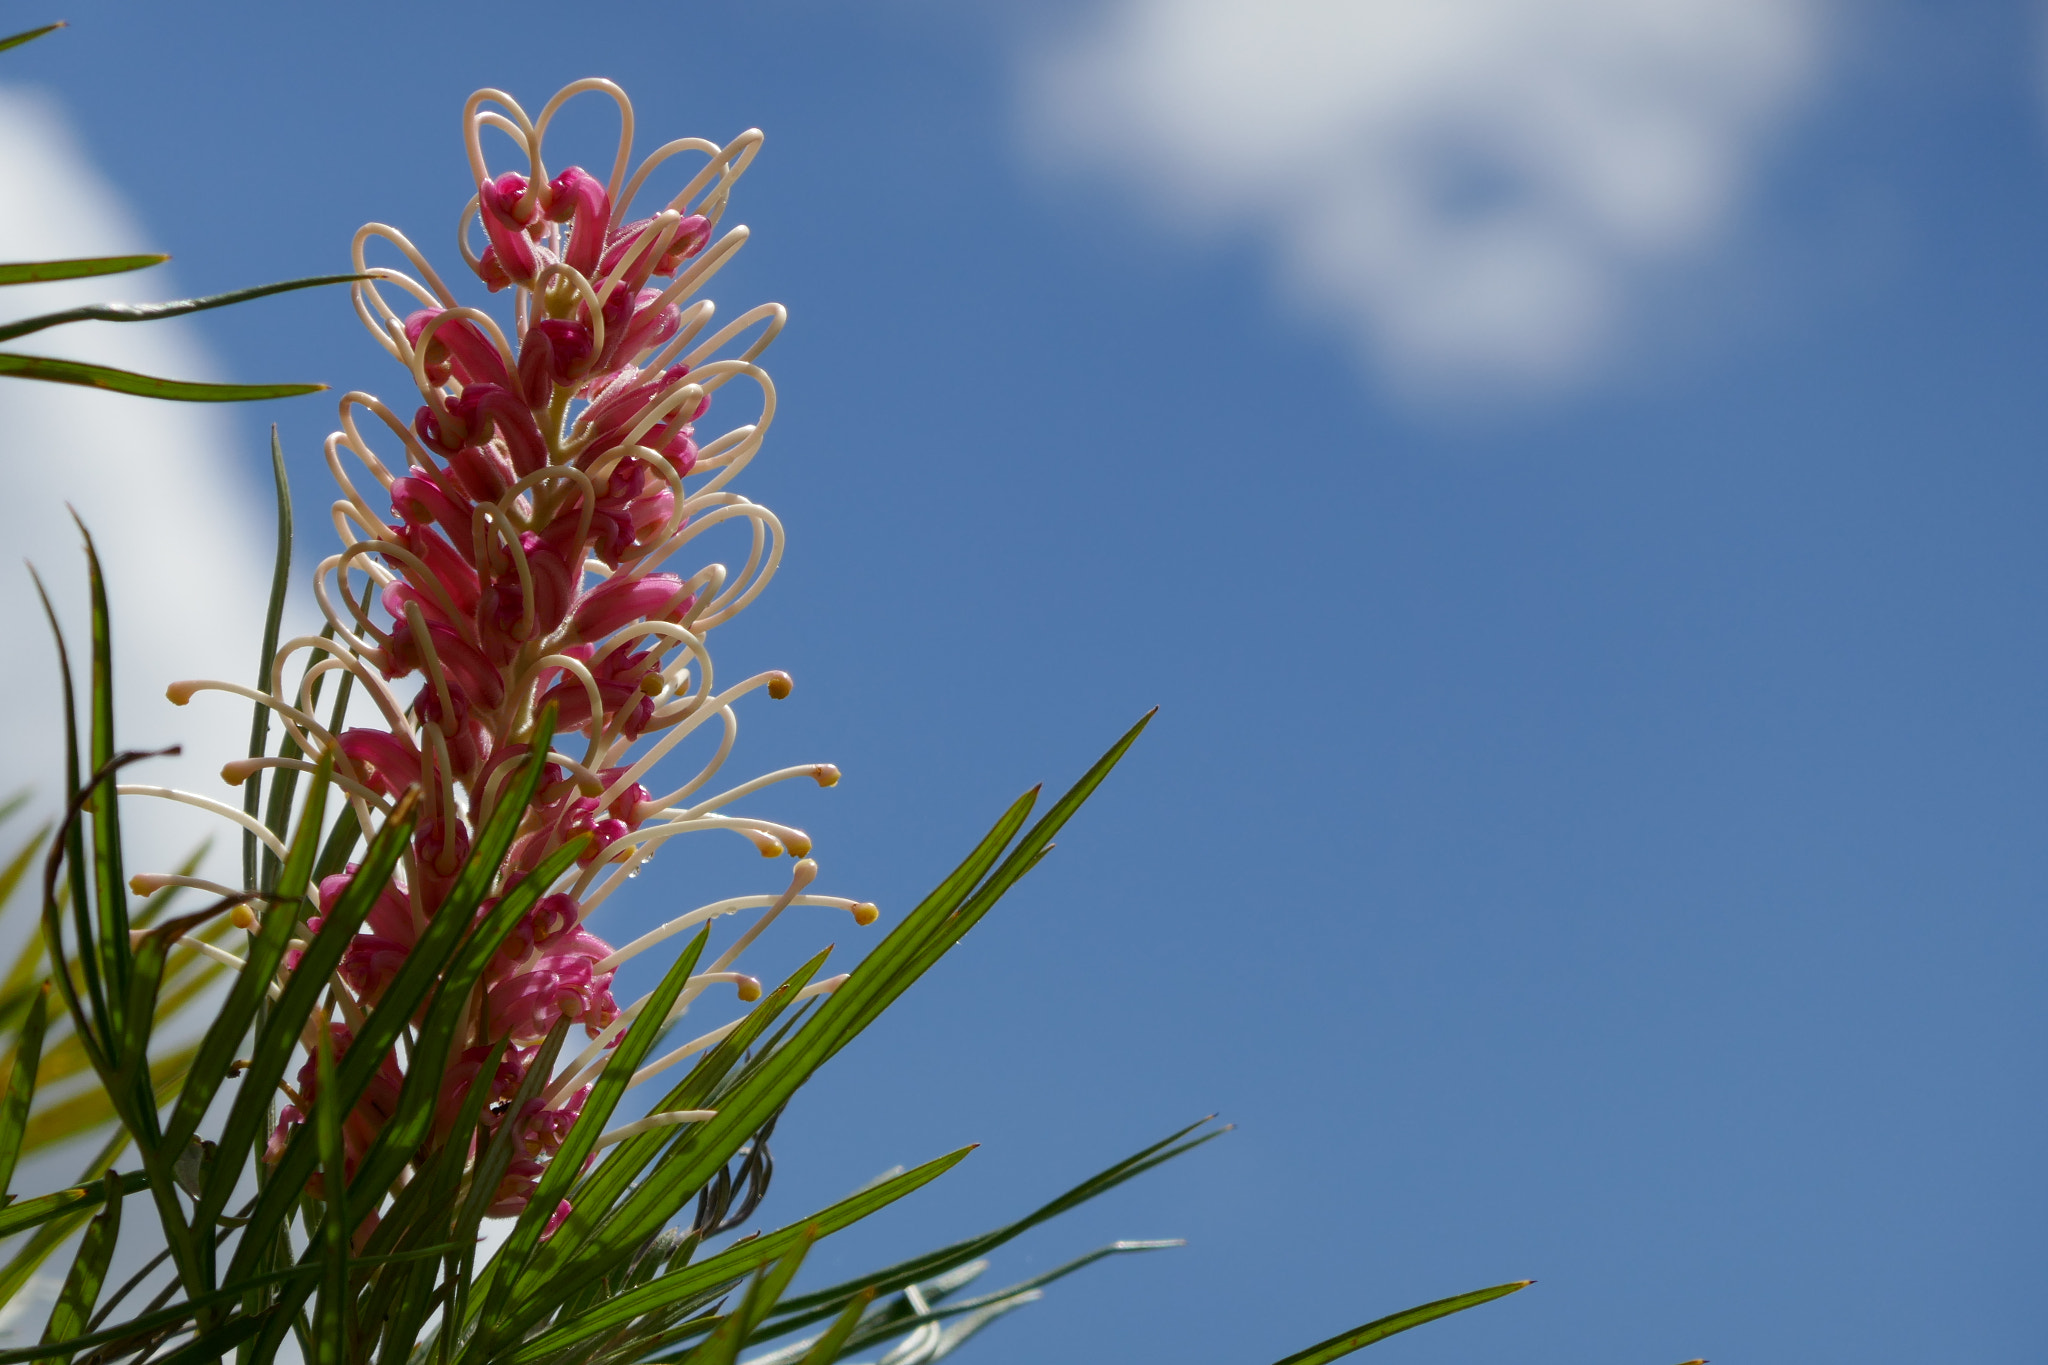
x=1592 y=830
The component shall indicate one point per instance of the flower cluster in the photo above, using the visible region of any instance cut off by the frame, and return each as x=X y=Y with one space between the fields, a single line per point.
x=516 y=560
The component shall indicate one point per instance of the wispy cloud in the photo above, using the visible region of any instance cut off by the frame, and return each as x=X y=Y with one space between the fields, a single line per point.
x=182 y=534
x=1477 y=189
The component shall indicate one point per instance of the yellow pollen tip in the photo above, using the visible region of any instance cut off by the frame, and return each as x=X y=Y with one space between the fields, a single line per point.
x=181 y=692
x=145 y=883
x=242 y=917
x=651 y=684
x=866 y=913
x=590 y=786
x=750 y=989
x=770 y=846
x=240 y=771
x=799 y=846
x=827 y=775
x=779 y=685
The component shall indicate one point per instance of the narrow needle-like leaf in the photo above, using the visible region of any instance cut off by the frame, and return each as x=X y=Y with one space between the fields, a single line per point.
x=21 y=1086
x=88 y=1268
x=29 y=35
x=38 y=272
x=1381 y=1328
x=143 y=385
x=151 y=312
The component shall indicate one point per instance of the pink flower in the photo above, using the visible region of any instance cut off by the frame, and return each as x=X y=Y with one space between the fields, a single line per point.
x=505 y=218
x=557 y=985
x=620 y=601
x=579 y=199
x=361 y=1125
x=548 y=469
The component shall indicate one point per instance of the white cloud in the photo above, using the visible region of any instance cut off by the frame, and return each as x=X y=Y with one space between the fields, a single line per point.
x=184 y=538
x=1477 y=188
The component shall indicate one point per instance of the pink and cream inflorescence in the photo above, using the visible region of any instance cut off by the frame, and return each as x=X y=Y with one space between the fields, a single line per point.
x=518 y=556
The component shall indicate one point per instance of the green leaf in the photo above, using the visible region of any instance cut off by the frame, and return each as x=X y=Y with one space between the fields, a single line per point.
x=88 y=1268
x=37 y=272
x=925 y=934
x=826 y=1348
x=729 y=1133
x=110 y=888
x=723 y=1347
x=822 y=1303
x=1382 y=1328
x=448 y=1007
x=29 y=36
x=577 y=1254
x=28 y=1213
x=54 y=1230
x=279 y=1033
x=582 y=1252
x=497 y=1154
x=734 y=1262
x=143 y=385
x=770 y=1286
x=21 y=1086
x=347 y=831
x=604 y=1099
x=447 y=935
x=151 y=312
x=70 y=846
x=401 y=1138
x=179 y=1312
x=421 y=1210
x=900 y=1317
x=859 y=1002
x=266 y=950
x=426 y=968
x=259 y=726
x=330 y=1316
x=211 y=1346
x=131 y=1088
x=131 y=1056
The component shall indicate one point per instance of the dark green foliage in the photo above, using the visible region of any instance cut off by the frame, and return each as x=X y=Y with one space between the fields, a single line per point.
x=88 y=1268
x=610 y=1285
x=21 y=1086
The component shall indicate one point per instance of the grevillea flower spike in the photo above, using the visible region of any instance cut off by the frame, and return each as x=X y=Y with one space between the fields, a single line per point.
x=527 y=543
